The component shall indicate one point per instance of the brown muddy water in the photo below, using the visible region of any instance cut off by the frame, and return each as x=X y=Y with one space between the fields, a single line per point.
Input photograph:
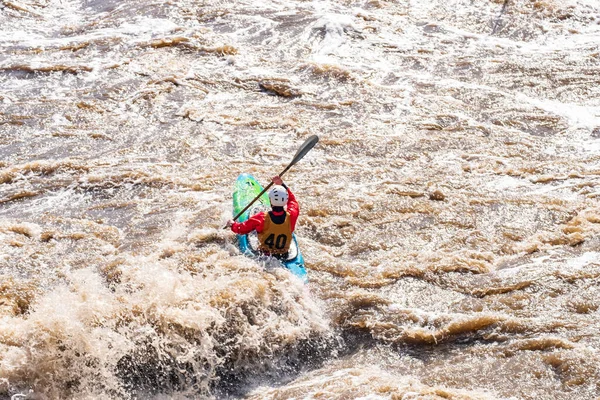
x=450 y=215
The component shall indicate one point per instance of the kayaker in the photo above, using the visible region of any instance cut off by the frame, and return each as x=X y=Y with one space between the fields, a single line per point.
x=275 y=227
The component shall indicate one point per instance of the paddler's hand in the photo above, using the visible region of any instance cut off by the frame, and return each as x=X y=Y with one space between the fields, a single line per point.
x=277 y=180
x=229 y=224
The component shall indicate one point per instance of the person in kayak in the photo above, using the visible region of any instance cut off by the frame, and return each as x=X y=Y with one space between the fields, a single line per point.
x=275 y=227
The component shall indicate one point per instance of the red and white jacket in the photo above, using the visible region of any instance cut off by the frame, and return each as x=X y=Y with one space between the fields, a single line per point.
x=256 y=222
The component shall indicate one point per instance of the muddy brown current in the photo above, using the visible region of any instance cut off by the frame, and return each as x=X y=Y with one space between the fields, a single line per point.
x=449 y=215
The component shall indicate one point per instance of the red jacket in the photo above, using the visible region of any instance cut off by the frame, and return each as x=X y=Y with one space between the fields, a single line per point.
x=257 y=221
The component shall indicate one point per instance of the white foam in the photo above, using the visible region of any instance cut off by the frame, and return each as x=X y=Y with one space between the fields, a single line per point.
x=334 y=27
x=506 y=182
x=584 y=260
x=578 y=116
x=140 y=28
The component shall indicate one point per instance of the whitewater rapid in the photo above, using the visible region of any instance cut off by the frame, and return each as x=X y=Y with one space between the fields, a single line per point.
x=449 y=215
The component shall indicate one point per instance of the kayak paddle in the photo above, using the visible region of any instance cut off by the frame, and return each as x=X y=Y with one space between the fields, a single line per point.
x=305 y=148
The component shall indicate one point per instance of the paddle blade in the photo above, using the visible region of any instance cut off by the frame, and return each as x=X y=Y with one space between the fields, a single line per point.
x=305 y=148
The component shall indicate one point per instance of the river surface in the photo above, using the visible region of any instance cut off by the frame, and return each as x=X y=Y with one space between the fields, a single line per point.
x=450 y=214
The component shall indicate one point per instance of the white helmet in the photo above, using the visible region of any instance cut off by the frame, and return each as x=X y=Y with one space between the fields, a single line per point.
x=278 y=196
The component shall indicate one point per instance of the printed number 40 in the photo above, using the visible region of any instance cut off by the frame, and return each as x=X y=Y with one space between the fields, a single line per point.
x=279 y=243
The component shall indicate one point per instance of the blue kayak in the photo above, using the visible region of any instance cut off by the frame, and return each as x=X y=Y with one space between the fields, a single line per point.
x=246 y=189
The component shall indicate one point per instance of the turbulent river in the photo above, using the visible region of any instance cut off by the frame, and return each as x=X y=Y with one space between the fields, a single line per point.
x=450 y=214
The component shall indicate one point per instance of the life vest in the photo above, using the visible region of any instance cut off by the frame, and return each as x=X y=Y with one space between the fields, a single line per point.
x=275 y=238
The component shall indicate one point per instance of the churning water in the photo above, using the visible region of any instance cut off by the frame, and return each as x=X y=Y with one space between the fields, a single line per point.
x=450 y=214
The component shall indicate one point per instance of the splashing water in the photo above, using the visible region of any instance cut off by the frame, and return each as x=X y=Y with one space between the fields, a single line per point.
x=449 y=215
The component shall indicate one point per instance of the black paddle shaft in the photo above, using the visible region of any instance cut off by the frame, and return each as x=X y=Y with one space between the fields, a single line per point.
x=305 y=148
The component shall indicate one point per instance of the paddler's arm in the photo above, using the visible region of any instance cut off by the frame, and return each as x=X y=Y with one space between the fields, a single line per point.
x=293 y=208
x=255 y=222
